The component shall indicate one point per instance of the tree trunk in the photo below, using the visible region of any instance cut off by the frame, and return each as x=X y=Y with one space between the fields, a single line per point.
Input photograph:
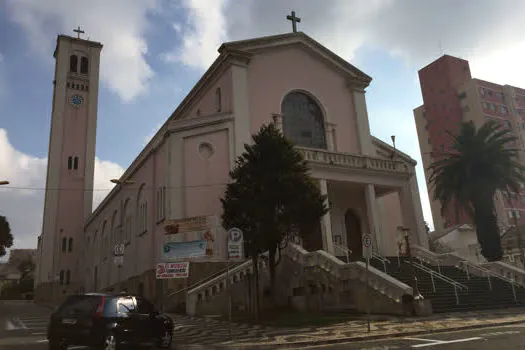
x=255 y=262
x=271 y=266
x=487 y=229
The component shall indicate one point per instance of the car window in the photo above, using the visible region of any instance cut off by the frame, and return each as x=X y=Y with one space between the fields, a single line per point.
x=126 y=305
x=79 y=305
x=144 y=306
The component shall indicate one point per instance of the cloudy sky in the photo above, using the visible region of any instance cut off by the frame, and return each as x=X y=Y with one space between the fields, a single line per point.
x=155 y=50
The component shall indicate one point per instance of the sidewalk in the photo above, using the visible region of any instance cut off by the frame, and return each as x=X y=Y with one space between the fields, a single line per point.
x=202 y=332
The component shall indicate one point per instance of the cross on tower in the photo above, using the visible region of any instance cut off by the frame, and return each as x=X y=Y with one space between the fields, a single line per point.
x=78 y=31
x=294 y=20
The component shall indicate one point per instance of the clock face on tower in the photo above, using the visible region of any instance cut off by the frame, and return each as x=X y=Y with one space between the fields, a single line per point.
x=76 y=100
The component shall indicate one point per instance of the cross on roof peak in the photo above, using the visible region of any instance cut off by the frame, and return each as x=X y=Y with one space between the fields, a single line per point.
x=294 y=20
x=78 y=31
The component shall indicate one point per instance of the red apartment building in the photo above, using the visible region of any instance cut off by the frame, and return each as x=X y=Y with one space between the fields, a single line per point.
x=450 y=96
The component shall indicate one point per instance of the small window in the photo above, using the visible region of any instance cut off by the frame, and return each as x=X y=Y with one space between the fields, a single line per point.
x=126 y=305
x=462 y=95
x=75 y=163
x=503 y=109
x=489 y=92
x=218 y=99
x=73 y=63
x=493 y=107
x=61 y=276
x=507 y=123
x=64 y=244
x=84 y=65
x=68 y=277
x=70 y=163
x=70 y=248
x=482 y=91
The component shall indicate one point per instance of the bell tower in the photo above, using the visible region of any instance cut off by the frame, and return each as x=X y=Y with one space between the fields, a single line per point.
x=70 y=167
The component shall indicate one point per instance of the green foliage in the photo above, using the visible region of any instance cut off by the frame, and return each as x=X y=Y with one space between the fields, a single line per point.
x=6 y=238
x=481 y=163
x=271 y=195
x=26 y=268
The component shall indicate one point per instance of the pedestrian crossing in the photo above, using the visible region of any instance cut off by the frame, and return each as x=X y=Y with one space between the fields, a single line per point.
x=34 y=325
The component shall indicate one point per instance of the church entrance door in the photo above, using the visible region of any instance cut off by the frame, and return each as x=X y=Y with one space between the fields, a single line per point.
x=354 y=234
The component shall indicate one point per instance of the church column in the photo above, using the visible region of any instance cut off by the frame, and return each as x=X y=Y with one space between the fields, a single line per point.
x=326 y=221
x=278 y=121
x=330 y=136
x=372 y=211
x=412 y=211
x=361 y=116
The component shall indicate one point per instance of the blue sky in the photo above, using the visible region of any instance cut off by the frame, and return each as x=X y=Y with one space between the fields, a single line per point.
x=155 y=50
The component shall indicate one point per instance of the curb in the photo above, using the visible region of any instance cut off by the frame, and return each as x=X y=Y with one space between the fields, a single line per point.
x=367 y=338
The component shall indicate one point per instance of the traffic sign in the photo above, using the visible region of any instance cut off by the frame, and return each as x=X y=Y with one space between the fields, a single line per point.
x=235 y=244
x=118 y=249
x=235 y=235
x=367 y=245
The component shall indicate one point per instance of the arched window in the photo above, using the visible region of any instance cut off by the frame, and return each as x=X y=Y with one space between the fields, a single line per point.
x=61 y=276
x=68 y=277
x=73 y=63
x=218 y=99
x=70 y=248
x=303 y=121
x=64 y=244
x=84 y=65
x=75 y=163
x=70 y=163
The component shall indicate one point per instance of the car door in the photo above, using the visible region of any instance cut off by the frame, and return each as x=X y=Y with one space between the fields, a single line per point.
x=146 y=310
x=130 y=323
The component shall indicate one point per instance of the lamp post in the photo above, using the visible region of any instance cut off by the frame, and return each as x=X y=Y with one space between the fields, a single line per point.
x=5 y=182
x=406 y=232
x=393 y=137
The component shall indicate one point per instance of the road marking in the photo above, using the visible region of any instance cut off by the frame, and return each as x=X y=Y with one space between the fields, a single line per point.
x=441 y=342
x=42 y=341
x=430 y=340
x=41 y=333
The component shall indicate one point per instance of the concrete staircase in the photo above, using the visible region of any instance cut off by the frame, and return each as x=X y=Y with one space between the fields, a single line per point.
x=452 y=283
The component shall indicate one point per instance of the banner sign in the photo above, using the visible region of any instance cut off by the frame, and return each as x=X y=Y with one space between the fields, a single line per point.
x=196 y=223
x=173 y=270
x=178 y=250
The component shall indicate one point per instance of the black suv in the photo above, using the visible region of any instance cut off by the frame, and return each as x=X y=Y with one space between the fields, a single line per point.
x=108 y=321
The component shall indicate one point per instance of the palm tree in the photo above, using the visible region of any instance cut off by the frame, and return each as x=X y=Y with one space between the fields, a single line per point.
x=481 y=163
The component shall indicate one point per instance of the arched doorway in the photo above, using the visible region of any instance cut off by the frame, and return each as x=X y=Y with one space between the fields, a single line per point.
x=353 y=234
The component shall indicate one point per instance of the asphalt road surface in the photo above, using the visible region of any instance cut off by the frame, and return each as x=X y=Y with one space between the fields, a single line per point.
x=23 y=326
x=493 y=338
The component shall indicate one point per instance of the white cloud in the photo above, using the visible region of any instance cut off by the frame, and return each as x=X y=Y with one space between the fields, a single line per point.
x=24 y=207
x=148 y=137
x=118 y=24
x=204 y=33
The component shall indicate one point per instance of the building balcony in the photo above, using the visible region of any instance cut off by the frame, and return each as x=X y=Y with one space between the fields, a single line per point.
x=347 y=161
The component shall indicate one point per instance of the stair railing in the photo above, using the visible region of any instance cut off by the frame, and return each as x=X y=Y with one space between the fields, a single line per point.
x=347 y=252
x=490 y=274
x=442 y=277
x=384 y=261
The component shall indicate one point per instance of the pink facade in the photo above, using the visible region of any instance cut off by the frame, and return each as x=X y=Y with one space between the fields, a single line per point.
x=184 y=169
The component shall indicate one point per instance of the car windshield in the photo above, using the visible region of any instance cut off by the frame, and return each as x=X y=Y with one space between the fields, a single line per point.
x=79 y=305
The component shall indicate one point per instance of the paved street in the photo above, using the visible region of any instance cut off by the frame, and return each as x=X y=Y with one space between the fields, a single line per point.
x=501 y=337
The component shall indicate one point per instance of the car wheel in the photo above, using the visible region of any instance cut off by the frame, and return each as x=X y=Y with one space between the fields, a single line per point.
x=165 y=340
x=110 y=342
x=57 y=344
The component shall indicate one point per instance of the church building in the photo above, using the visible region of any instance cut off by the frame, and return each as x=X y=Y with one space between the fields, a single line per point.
x=316 y=98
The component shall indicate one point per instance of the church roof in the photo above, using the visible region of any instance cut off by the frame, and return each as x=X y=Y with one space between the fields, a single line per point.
x=298 y=38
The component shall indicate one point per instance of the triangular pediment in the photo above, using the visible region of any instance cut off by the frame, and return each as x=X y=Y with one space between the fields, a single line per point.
x=254 y=46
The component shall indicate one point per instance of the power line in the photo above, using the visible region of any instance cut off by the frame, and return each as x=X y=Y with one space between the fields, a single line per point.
x=125 y=187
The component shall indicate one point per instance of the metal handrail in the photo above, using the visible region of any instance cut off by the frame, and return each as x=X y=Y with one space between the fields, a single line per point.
x=428 y=255
x=444 y=278
x=489 y=273
x=345 y=250
x=381 y=259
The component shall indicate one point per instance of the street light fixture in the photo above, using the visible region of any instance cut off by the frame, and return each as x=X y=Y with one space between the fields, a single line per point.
x=120 y=182
x=4 y=182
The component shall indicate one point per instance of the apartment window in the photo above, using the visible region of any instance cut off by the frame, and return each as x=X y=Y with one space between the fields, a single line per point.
x=64 y=244
x=485 y=105
x=70 y=247
x=462 y=95
x=522 y=125
x=61 y=276
x=482 y=91
x=507 y=123
x=493 y=107
x=75 y=163
x=70 y=163
x=489 y=92
x=503 y=109
x=68 y=277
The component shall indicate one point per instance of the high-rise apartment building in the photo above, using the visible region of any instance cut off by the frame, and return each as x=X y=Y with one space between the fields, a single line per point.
x=450 y=96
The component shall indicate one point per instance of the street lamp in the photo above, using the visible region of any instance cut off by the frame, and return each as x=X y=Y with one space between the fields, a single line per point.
x=120 y=182
x=406 y=231
x=4 y=182
x=393 y=137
